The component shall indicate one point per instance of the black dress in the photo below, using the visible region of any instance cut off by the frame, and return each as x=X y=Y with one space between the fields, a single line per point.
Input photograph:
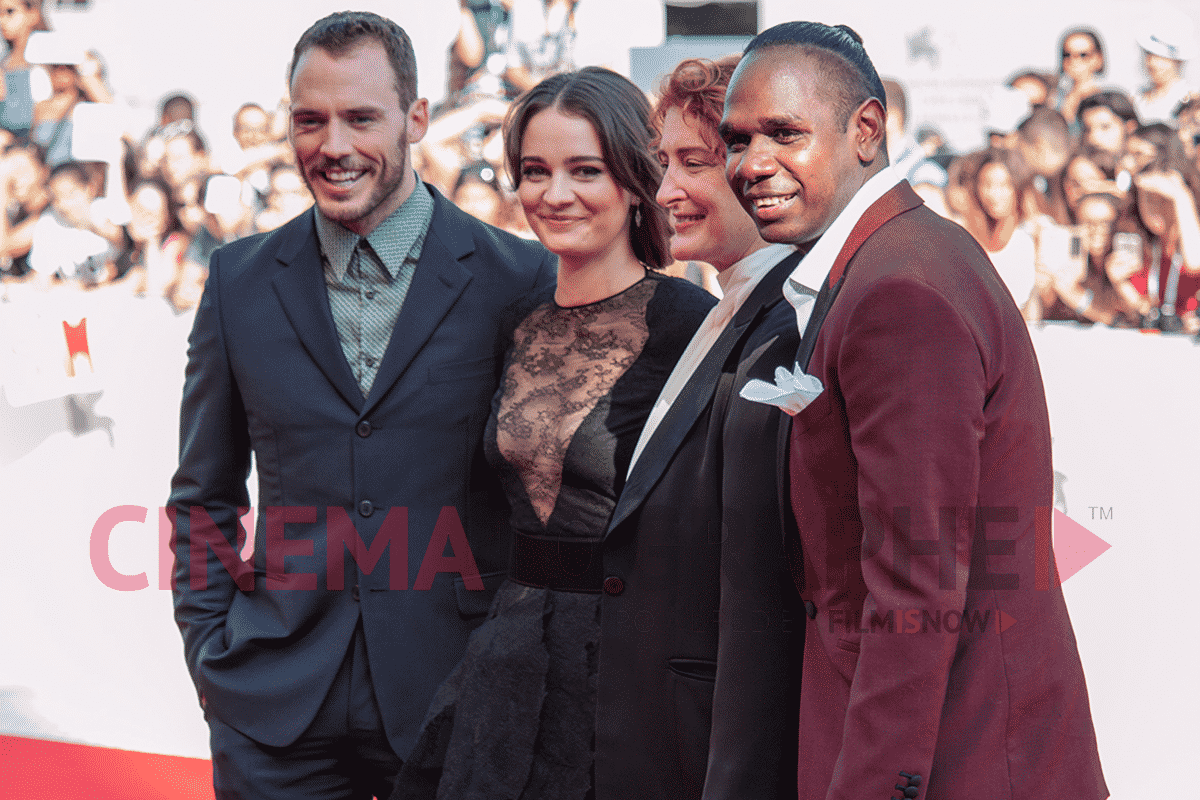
x=516 y=717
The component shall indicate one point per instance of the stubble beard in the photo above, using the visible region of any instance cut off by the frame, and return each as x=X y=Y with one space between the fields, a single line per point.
x=387 y=184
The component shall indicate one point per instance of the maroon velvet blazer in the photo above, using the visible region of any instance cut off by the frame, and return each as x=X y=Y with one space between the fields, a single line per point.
x=939 y=655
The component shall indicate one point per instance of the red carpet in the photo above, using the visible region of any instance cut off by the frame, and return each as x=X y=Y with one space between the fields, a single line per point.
x=36 y=769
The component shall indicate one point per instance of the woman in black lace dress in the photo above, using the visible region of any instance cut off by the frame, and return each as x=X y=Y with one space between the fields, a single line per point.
x=585 y=361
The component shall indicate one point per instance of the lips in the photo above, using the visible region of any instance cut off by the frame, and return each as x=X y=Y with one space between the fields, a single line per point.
x=681 y=222
x=771 y=206
x=340 y=177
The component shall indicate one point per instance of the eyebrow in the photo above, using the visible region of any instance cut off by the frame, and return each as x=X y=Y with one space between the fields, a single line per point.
x=766 y=123
x=570 y=160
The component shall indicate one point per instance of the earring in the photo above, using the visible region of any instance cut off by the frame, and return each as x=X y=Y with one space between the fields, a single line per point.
x=637 y=216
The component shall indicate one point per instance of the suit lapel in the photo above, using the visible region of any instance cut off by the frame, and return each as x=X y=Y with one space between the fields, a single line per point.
x=438 y=279
x=698 y=392
x=896 y=201
x=305 y=300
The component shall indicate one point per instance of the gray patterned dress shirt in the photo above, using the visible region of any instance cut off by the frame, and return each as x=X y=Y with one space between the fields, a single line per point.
x=368 y=277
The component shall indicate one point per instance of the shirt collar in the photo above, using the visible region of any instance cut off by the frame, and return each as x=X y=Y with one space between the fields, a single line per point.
x=815 y=266
x=391 y=240
x=740 y=278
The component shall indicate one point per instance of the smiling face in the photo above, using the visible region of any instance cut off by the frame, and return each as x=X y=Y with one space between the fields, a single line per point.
x=1081 y=57
x=708 y=222
x=996 y=193
x=351 y=134
x=1096 y=218
x=791 y=162
x=570 y=198
x=1103 y=131
x=16 y=20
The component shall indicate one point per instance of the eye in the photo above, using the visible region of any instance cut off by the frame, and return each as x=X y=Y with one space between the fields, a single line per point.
x=588 y=172
x=361 y=120
x=533 y=171
x=786 y=135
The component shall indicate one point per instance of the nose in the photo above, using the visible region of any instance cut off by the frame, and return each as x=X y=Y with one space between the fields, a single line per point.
x=753 y=164
x=558 y=189
x=337 y=141
x=669 y=191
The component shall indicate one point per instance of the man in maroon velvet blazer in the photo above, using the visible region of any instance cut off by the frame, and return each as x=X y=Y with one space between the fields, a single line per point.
x=940 y=661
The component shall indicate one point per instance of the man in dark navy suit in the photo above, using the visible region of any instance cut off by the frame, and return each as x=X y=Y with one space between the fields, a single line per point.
x=354 y=352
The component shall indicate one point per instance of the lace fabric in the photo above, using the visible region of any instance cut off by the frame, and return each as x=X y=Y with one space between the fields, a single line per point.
x=563 y=361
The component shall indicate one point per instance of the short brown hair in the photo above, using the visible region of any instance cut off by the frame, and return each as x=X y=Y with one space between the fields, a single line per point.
x=697 y=88
x=620 y=115
x=338 y=33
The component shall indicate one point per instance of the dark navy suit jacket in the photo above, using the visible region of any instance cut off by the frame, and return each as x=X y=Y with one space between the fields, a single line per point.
x=266 y=375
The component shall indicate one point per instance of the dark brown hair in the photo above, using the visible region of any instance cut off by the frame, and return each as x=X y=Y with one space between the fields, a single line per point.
x=620 y=115
x=338 y=33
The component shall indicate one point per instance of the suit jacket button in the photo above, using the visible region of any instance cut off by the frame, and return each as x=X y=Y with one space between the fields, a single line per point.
x=365 y=508
x=363 y=429
x=354 y=592
x=810 y=608
x=613 y=585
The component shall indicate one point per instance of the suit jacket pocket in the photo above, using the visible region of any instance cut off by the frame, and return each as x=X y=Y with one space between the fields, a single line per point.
x=698 y=669
x=473 y=602
x=814 y=414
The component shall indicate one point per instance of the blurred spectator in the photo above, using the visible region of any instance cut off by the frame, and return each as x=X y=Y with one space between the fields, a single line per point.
x=1080 y=177
x=1161 y=278
x=477 y=60
x=905 y=153
x=71 y=242
x=1034 y=85
x=1107 y=119
x=1082 y=64
x=185 y=159
x=18 y=20
x=460 y=137
x=477 y=191
x=1187 y=125
x=541 y=41
x=1044 y=143
x=1081 y=290
x=1168 y=42
x=993 y=218
x=75 y=77
x=258 y=149
x=286 y=198
x=156 y=243
x=23 y=197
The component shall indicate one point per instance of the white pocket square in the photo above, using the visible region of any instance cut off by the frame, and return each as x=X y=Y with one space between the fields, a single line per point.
x=792 y=391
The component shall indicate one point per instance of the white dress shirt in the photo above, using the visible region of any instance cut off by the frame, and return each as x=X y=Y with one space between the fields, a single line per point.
x=812 y=270
x=737 y=282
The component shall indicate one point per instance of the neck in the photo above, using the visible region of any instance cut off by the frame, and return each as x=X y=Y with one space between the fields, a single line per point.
x=587 y=281
x=757 y=244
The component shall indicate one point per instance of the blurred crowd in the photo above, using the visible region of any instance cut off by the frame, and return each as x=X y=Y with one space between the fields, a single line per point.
x=1085 y=196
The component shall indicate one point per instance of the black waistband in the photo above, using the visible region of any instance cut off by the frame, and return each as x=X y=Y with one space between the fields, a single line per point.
x=570 y=565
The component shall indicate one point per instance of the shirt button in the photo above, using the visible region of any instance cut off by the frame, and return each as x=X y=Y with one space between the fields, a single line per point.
x=370 y=361
x=613 y=585
x=354 y=592
x=363 y=429
x=366 y=508
x=370 y=295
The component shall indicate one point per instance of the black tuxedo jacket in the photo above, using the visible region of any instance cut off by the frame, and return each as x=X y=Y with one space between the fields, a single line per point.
x=701 y=637
x=266 y=375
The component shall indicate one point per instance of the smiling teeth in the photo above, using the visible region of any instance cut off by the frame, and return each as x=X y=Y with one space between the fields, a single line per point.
x=769 y=202
x=342 y=177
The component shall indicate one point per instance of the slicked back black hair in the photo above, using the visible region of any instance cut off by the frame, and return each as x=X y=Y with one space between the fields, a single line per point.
x=844 y=62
